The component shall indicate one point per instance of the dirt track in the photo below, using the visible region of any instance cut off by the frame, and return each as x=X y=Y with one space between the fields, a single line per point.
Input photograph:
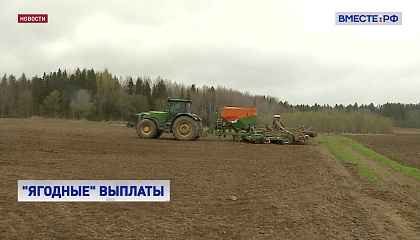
x=283 y=192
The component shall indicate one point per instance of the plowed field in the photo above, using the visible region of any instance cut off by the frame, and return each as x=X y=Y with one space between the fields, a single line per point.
x=220 y=189
x=401 y=147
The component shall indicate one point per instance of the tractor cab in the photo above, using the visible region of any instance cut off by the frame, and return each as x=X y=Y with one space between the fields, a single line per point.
x=177 y=106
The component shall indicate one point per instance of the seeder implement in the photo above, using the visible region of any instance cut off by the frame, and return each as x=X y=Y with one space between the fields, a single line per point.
x=238 y=123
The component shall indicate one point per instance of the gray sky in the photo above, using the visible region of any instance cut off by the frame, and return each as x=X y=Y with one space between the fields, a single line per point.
x=288 y=49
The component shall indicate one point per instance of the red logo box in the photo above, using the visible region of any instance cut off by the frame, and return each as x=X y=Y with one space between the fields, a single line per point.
x=32 y=18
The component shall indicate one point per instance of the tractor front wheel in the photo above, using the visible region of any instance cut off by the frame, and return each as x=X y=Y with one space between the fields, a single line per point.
x=146 y=128
x=185 y=129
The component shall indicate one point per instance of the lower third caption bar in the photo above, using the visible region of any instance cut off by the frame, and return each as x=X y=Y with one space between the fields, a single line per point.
x=93 y=190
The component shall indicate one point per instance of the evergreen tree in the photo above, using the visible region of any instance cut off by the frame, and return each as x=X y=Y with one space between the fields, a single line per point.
x=3 y=96
x=130 y=87
x=139 y=88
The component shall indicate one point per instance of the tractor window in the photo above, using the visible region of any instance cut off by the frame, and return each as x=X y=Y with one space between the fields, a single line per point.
x=187 y=107
x=176 y=107
x=180 y=107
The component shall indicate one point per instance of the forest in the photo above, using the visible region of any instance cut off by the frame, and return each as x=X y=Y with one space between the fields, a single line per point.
x=101 y=96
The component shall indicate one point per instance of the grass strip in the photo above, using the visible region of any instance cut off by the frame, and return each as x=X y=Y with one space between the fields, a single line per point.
x=343 y=155
x=411 y=172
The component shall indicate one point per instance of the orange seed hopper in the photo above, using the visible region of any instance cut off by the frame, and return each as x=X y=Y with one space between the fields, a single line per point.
x=235 y=113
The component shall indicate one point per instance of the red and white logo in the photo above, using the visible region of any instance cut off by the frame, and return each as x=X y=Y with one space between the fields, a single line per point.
x=32 y=18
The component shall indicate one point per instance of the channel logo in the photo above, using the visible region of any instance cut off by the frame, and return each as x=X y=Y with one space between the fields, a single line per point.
x=32 y=18
x=368 y=18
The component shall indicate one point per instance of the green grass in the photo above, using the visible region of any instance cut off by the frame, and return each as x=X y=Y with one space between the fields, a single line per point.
x=414 y=173
x=345 y=156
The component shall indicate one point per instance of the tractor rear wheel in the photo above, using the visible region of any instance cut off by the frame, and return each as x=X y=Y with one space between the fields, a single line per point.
x=200 y=130
x=146 y=128
x=185 y=129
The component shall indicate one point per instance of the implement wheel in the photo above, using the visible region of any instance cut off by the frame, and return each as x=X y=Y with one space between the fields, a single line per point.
x=185 y=129
x=287 y=141
x=146 y=128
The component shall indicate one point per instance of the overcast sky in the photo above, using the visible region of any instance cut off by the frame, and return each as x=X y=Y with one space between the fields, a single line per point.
x=288 y=49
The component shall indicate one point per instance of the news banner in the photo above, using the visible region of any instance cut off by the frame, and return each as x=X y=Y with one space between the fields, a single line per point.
x=93 y=190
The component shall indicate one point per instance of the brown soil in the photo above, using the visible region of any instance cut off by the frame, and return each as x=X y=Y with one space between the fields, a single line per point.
x=401 y=147
x=282 y=191
x=407 y=130
x=392 y=189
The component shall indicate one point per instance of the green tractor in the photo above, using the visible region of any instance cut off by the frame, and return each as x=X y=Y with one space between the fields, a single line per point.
x=178 y=120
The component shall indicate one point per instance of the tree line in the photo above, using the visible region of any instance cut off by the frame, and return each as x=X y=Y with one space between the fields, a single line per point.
x=99 y=95
x=401 y=115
